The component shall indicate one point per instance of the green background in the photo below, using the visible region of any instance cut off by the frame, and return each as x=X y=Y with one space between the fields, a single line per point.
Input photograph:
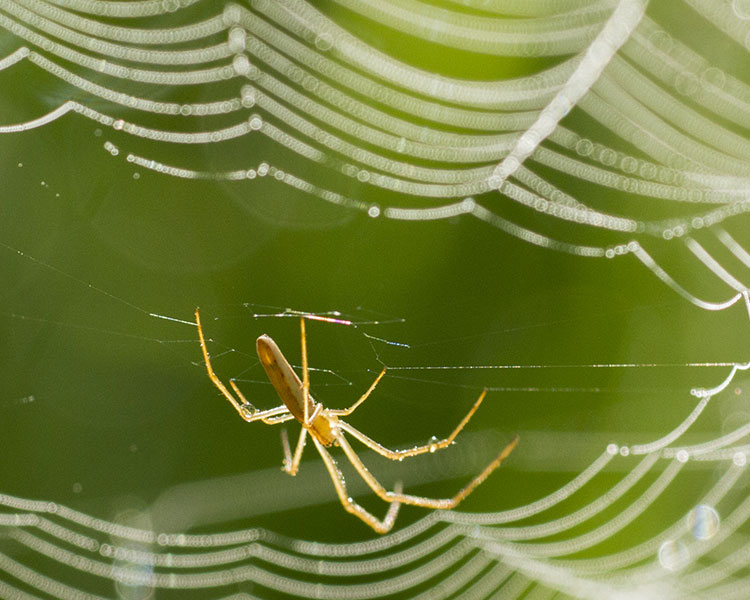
x=123 y=414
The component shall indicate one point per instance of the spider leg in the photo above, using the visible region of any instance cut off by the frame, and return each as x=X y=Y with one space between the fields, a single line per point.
x=246 y=410
x=347 y=411
x=291 y=464
x=305 y=372
x=272 y=416
x=400 y=454
x=350 y=505
x=282 y=418
x=397 y=496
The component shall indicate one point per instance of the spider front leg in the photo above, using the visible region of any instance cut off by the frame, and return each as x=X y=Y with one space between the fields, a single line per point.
x=305 y=372
x=246 y=410
x=347 y=411
x=400 y=454
x=350 y=505
x=272 y=416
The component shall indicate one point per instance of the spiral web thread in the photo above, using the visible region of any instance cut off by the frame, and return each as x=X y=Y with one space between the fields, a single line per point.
x=287 y=72
x=456 y=554
x=677 y=126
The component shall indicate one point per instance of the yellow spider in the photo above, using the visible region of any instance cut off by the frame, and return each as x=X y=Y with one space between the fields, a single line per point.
x=326 y=429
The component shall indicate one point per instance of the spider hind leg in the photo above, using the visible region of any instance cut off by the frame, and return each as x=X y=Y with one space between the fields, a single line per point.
x=435 y=503
x=350 y=505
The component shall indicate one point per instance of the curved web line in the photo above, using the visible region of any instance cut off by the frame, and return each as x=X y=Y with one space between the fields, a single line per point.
x=614 y=34
x=450 y=552
x=474 y=555
x=545 y=125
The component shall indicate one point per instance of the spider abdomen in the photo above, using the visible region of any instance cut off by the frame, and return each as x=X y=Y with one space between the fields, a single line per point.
x=289 y=388
x=283 y=378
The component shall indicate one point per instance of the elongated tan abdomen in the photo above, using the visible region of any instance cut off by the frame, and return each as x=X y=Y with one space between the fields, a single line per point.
x=289 y=388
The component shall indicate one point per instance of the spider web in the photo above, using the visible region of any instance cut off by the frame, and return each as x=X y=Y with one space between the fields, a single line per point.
x=662 y=516
x=567 y=541
x=624 y=107
x=431 y=146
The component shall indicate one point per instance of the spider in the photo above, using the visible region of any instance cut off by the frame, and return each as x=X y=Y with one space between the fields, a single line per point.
x=326 y=428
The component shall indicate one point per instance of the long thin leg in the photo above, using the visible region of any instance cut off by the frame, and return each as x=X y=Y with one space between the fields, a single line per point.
x=246 y=410
x=283 y=418
x=305 y=372
x=349 y=505
x=442 y=503
x=291 y=465
x=347 y=411
x=399 y=454
x=272 y=416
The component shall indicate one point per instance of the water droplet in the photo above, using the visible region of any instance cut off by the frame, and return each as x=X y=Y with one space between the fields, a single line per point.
x=662 y=40
x=248 y=410
x=687 y=84
x=741 y=8
x=241 y=64
x=528 y=142
x=231 y=14
x=495 y=181
x=673 y=555
x=236 y=39
x=629 y=164
x=703 y=522
x=118 y=125
x=713 y=77
x=248 y=96
x=323 y=42
x=608 y=157
x=373 y=211
x=682 y=456
x=584 y=147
